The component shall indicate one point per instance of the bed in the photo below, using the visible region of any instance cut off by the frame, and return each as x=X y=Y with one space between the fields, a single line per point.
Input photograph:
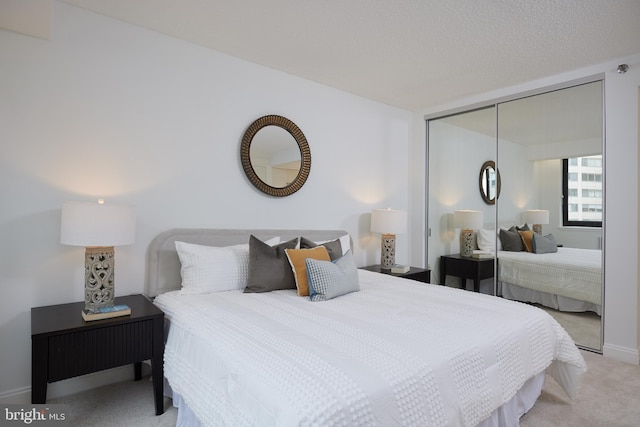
x=567 y=280
x=394 y=352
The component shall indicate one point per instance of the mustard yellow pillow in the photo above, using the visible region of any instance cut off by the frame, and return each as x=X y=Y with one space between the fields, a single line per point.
x=527 y=240
x=297 y=259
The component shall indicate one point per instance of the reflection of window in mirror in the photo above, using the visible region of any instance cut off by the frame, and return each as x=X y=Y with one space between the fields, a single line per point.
x=275 y=156
x=582 y=191
x=489 y=183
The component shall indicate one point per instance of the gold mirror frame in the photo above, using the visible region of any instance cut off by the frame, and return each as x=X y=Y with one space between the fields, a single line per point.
x=305 y=155
x=486 y=165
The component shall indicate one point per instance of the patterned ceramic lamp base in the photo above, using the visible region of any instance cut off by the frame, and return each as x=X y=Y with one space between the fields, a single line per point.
x=537 y=228
x=466 y=243
x=98 y=269
x=388 y=251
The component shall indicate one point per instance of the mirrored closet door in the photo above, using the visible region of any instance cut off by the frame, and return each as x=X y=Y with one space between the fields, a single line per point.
x=458 y=147
x=544 y=229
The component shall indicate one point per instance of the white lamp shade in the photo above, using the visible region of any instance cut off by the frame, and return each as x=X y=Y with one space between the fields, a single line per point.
x=388 y=221
x=467 y=219
x=537 y=216
x=95 y=224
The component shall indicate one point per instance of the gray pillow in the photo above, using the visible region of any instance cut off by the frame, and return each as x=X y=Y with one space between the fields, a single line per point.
x=511 y=240
x=334 y=247
x=544 y=244
x=328 y=280
x=269 y=268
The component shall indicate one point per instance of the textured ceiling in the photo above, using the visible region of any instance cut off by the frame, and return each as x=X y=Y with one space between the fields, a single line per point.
x=414 y=54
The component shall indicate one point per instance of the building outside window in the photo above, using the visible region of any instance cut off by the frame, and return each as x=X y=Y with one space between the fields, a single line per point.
x=582 y=190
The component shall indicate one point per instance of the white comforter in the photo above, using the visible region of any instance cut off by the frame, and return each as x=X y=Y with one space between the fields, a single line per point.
x=571 y=272
x=398 y=352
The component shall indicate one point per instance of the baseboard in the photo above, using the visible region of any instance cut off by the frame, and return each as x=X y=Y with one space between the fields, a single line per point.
x=74 y=385
x=623 y=354
x=20 y=395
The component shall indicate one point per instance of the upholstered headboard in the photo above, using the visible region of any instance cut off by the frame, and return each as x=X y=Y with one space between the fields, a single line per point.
x=163 y=267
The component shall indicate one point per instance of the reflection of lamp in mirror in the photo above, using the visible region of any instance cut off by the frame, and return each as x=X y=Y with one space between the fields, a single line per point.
x=467 y=221
x=388 y=222
x=537 y=217
x=98 y=227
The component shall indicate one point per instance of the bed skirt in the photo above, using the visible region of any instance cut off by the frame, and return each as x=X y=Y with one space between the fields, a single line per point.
x=557 y=302
x=508 y=415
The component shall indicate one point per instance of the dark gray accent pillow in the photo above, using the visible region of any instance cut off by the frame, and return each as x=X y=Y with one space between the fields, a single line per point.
x=334 y=247
x=544 y=244
x=511 y=240
x=525 y=227
x=269 y=268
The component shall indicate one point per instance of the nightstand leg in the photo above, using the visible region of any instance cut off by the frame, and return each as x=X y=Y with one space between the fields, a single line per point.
x=157 y=364
x=39 y=374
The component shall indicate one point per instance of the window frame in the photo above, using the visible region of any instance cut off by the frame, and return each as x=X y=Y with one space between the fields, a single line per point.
x=565 y=202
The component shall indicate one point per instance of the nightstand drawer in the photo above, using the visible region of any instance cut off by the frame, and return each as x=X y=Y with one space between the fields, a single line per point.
x=83 y=352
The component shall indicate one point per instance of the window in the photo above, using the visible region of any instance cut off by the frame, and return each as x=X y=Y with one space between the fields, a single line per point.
x=582 y=191
x=592 y=177
x=586 y=193
x=591 y=162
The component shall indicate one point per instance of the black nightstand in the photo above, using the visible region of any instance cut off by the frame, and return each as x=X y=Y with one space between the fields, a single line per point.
x=63 y=345
x=466 y=268
x=414 y=273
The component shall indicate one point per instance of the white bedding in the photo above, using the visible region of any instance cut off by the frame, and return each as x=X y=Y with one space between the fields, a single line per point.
x=398 y=352
x=573 y=273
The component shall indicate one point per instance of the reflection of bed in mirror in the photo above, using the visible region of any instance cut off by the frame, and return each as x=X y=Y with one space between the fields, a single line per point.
x=567 y=280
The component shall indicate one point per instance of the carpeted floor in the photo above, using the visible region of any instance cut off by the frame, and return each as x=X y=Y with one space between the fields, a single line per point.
x=129 y=403
x=609 y=396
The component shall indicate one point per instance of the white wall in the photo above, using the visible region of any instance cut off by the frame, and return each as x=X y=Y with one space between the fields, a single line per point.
x=520 y=188
x=106 y=109
x=621 y=217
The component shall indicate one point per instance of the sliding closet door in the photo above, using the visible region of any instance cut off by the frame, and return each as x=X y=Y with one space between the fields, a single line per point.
x=458 y=146
x=550 y=152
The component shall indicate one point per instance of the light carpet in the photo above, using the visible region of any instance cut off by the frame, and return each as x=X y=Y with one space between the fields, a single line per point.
x=608 y=396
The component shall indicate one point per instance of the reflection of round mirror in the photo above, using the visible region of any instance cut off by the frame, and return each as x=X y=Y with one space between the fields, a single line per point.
x=489 y=182
x=275 y=155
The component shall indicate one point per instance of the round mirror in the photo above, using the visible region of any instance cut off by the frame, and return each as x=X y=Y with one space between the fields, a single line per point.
x=275 y=155
x=489 y=182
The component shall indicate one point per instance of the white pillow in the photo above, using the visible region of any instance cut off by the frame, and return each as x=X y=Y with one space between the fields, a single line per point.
x=487 y=240
x=206 y=269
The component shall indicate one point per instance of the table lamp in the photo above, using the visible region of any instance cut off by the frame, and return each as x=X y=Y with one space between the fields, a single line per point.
x=537 y=217
x=388 y=222
x=98 y=227
x=467 y=221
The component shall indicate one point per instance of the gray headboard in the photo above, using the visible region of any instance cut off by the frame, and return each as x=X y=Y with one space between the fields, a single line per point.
x=163 y=265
